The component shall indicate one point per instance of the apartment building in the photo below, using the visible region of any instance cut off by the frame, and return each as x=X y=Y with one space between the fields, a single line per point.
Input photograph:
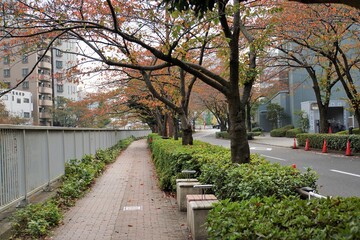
x=19 y=104
x=64 y=62
x=47 y=80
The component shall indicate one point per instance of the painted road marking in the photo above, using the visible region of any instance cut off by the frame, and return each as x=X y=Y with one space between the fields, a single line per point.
x=132 y=208
x=347 y=173
x=260 y=148
x=280 y=159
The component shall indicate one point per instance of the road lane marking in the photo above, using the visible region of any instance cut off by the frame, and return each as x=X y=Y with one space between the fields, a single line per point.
x=260 y=148
x=280 y=159
x=347 y=173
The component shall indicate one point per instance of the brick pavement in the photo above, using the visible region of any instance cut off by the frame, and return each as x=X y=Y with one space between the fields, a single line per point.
x=125 y=203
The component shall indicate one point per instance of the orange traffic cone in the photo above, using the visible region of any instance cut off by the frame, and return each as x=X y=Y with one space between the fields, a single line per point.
x=330 y=130
x=324 y=149
x=307 y=145
x=348 y=150
x=294 y=147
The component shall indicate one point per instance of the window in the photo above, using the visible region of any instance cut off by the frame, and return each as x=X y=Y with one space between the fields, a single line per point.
x=26 y=115
x=26 y=100
x=25 y=72
x=6 y=60
x=60 y=88
x=59 y=76
x=59 y=64
x=25 y=59
x=7 y=85
x=6 y=73
x=18 y=100
x=58 y=52
x=25 y=85
x=5 y=97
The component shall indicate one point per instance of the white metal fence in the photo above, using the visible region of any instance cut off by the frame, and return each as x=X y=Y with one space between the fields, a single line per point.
x=32 y=157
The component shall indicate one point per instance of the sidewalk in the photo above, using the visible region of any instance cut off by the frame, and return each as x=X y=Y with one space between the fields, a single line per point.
x=125 y=203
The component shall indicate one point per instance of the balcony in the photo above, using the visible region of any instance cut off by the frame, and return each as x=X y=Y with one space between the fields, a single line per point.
x=44 y=64
x=47 y=103
x=44 y=77
x=45 y=115
x=46 y=90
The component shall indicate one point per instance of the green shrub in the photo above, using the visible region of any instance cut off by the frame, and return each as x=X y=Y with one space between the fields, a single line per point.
x=214 y=166
x=291 y=133
x=289 y=218
x=333 y=141
x=280 y=132
x=36 y=219
x=355 y=131
x=226 y=135
x=259 y=178
x=170 y=158
x=254 y=134
x=257 y=129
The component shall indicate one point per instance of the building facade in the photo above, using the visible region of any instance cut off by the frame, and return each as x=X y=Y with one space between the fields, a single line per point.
x=19 y=104
x=299 y=98
x=45 y=80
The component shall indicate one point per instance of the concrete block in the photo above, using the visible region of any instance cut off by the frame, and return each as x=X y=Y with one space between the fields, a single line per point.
x=196 y=197
x=196 y=215
x=183 y=189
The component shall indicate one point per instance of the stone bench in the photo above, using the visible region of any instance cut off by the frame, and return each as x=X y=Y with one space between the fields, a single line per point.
x=185 y=187
x=198 y=206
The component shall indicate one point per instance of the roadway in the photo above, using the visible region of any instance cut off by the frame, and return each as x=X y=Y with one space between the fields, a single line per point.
x=339 y=175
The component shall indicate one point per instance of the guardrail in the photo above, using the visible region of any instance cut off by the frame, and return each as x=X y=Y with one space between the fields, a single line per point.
x=33 y=157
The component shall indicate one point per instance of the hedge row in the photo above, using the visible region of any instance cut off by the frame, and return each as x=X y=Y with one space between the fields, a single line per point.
x=234 y=181
x=226 y=135
x=266 y=205
x=281 y=132
x=170 y=158
x=289 y=218
x=354 y=131
x=333 y=141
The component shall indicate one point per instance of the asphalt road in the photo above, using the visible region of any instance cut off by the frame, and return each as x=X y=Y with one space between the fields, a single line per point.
x=339 y=175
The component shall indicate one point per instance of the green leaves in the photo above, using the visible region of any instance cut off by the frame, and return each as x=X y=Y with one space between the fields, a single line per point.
x=289 y=218
x=213 y=165
x=36 y=219
x=333 y=141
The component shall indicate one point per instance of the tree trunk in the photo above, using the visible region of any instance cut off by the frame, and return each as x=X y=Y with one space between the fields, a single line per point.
x=324 y=124
x=176 y=128
x=357 y=115
x=164 y=132
x=187 y=138
x=240 y=151
x=248 y=116
x=223 y=127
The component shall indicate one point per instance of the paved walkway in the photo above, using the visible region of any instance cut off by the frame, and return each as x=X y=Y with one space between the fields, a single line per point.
x=125 y=203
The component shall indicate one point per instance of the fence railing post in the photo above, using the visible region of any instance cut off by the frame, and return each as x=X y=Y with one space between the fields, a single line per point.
x=47 y=188
x=24 y=201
